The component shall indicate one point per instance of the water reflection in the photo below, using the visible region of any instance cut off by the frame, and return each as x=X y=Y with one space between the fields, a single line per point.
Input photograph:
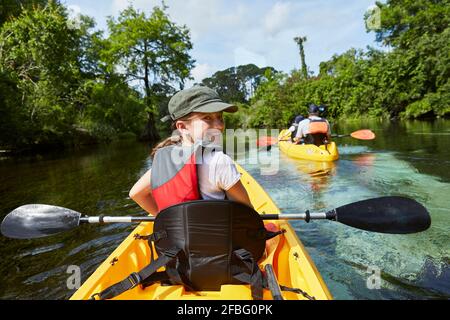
x=316 y=173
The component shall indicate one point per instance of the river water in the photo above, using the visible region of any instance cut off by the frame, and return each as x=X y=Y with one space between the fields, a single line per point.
x=410 y=158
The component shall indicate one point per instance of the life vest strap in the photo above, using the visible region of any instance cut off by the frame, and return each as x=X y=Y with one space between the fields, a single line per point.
x=225 y=242
x=273 y=234
x=152 y=237
x=249 y=272
x=137 y=278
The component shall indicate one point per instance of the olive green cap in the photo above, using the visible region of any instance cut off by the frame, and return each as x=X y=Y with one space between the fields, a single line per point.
x=199 y=98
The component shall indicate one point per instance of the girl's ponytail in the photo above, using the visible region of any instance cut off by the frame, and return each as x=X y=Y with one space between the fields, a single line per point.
x=165 y=143
x=176 y=137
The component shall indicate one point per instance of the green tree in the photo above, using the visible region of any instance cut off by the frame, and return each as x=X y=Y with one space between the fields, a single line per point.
x=112 y=108
x=11 y=113
x=419 y=32
x=9 y=9
x=266 y=106
x=227 y=85
x=237 y=84
x=403 y=22
x=409 y=80
x=151 y=52
x=300 y=41
x=250 y=77
x=39 y=50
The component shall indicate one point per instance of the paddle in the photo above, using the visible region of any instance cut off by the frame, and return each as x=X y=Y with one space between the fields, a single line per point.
x=363 y=134
x=267 y=142
x=395 y=215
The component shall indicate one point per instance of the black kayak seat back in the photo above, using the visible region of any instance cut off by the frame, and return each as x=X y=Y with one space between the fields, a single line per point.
x=208 y=232
x=203 y=245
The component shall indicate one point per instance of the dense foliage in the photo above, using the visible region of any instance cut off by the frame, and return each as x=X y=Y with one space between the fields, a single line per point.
x=409 y=79
x=9 y=9
x=153 y=51
x=237 y=84
x=63 y=84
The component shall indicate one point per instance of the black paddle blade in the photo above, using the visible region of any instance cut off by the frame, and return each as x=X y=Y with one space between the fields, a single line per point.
x=396 y=215
x=38 y=220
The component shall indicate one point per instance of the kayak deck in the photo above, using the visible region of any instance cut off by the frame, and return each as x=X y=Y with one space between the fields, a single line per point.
x=292 y=264
x=327 y=152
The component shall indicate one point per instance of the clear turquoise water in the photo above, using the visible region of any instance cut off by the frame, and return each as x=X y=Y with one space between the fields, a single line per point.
x=411 y=266
x=408 y=159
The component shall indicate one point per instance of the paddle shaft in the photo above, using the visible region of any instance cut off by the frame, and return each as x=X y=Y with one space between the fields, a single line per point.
x=105 y=219
x=286 y=216
x=340 y=135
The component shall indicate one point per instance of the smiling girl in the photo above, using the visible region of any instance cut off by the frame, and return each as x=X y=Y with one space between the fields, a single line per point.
x=203 y=172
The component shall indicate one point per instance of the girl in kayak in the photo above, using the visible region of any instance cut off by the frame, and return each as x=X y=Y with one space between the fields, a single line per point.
x=294 y=127
x=314 y=129
x=196 y=115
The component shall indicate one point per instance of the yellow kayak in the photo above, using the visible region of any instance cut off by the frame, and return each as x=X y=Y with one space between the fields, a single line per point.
x=292 y=265
x=327 y=152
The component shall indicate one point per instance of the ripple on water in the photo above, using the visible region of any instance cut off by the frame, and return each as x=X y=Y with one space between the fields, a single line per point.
x=348 y=150
x=37 y=251
x=40 y=277
x=97 y=242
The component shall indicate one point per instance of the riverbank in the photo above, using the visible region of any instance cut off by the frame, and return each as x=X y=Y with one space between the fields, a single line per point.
x=80 y=139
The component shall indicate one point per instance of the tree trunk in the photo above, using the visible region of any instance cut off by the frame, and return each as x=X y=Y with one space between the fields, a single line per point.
x=300 y=41
x=150 y=133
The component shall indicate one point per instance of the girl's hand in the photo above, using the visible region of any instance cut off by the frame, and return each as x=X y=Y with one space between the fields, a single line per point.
x=239 y=194
x=141 y=193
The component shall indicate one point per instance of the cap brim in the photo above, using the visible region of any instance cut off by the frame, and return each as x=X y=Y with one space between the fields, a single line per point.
x=217 y=107
x=166 y=118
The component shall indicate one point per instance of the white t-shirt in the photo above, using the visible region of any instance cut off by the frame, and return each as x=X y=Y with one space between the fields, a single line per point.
x=292 y=128
x=303 y=126
x=216 y=174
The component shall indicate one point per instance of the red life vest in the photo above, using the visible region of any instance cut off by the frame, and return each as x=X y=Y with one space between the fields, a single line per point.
x=174 y=175
x=318 y=132
x=318 y=126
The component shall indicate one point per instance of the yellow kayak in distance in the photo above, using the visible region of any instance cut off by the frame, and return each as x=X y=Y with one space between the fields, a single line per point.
x=328 y=152
x=292 y=264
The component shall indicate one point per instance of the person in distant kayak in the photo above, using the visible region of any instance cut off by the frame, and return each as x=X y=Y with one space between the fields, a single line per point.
x=314 y=129
x=197 y=120
x=294 y=127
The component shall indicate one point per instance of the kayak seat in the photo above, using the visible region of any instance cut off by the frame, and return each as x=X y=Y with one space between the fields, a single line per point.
x=203 y=245
x=317 y=139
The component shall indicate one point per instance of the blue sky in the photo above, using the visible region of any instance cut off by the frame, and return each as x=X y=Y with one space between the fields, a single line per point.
x=228 y=33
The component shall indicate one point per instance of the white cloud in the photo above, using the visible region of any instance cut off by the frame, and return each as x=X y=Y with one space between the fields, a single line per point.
x=202 y=17
x=244 y=56
x=277 y=18
x=73 y=10
x=119 y=5
x=232 y=32
x=213 y=18
x=202 y=71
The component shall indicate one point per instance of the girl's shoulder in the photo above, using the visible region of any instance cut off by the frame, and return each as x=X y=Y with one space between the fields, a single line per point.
x=217 y=157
